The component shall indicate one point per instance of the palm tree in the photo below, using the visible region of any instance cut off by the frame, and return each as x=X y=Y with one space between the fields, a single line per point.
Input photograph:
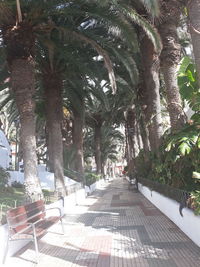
x=111 y=139
x=75 y=100
x=19 y=41
x=151 y=94
x=95 y=119
x=193 y=8
x=170 y=58
x=150 y=48
x=56 y=59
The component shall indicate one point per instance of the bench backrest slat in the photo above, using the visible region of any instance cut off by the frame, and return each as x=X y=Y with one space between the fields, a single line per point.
x=18 y=218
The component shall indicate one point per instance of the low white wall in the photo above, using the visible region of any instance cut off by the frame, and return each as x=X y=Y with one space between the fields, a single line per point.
x=189 y=223
x=94 y=186
x=5 y=151
x=46 y=178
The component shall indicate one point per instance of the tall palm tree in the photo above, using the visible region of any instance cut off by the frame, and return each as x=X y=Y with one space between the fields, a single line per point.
x=111 y=139
x=97 y=106
x=75 y=94
x=193 y=8
x=170 y=58
x=19 y=41
x=150 y=48
x=82 y=33
x=151 y=89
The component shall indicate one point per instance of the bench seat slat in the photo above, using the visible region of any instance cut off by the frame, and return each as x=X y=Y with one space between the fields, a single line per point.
x=21 y=219
x=29 y=222
x=40 y=228
x=26 y=209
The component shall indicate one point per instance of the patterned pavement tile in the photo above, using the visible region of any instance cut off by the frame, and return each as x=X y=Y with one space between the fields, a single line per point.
x=115 y=227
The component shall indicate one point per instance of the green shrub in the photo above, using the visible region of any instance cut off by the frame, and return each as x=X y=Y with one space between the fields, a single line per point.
x=4 y=177
x=176 y=161
x=91 y=178
x=17 y=184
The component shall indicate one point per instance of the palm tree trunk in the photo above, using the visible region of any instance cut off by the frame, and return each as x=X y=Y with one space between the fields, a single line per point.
x=78 y=142
x=23 y=86
x=175 y=108
x=127 y=150
x=53 y=93
x=144 y=135
x=170 y=58
x=152 y=86
x=132 y=137
x=49 y=152
x=194 y=24
x=97 y=143
x=139 y=139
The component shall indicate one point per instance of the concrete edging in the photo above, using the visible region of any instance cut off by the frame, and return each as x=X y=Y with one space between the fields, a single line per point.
x=189 y=223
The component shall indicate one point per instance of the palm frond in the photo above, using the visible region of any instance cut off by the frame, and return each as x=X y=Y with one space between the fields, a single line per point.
x=129 y=64
x=148 y=28
x=152 y=6
x=103 y=53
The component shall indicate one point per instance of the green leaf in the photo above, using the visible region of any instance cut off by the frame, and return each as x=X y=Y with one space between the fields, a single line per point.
x=185 y=62
x=198 y=143
x=169 y=146
x=184 y=149
x=196 y=175
x=190 y=76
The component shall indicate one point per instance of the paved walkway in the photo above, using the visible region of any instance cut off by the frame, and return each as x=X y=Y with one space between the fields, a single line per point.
x=115 y=227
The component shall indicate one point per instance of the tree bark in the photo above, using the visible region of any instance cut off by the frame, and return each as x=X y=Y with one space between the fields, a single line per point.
x=23 y=86
x=170 y=58
x=53 y=93
x=127 y=151
x=152 y=85
x=78 y=142
x=97 y=143
x=144 y=134
x=194 y=25
x=139 y=139
x=19 y=41
x=132 y=133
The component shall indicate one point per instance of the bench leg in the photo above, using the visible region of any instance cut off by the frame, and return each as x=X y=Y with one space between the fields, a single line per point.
x=63 y=229
x=6 y=251
x=36 y=245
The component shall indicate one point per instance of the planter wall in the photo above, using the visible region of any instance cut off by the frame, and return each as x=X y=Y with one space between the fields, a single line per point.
x=94 y=186
x=189 y=223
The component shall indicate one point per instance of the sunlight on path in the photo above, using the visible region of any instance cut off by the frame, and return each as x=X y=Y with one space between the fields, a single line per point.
x=115 y=227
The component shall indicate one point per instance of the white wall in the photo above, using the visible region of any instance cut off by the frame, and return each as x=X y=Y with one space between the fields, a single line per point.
x=5 y=151
x=46 y=179
x=94 y=186
x=189 y=223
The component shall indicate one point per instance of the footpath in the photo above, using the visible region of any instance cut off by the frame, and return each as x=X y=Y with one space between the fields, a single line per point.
x=114 y=227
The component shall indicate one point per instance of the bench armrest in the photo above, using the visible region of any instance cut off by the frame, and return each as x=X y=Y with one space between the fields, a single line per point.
x=30 y=225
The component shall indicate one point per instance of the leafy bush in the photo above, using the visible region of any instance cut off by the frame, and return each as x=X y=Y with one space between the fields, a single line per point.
x=4 y=177
x=176 y=161
x=17 y=184
x=91 y=178
x=195 y=202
